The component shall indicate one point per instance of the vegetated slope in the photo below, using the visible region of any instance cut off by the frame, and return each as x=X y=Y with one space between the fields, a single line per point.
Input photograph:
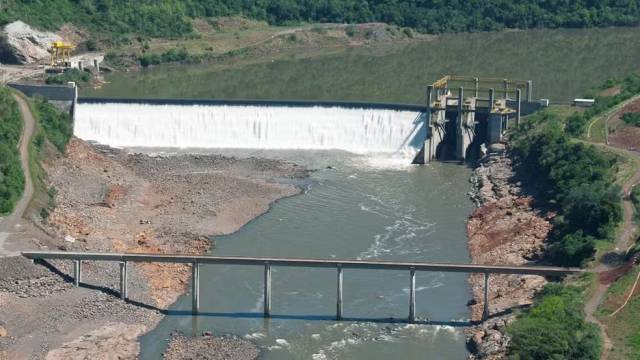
x=11 y=175
x=579 y=180
x=173 y=17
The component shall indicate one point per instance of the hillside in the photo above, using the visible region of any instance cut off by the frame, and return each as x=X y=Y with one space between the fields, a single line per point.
x=170 y=18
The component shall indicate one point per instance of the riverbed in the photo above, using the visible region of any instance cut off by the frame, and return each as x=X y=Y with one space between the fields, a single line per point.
x=352 y=207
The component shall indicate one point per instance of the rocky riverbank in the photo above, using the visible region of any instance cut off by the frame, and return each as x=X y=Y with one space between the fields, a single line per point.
x=506 y=228
x=109 y=200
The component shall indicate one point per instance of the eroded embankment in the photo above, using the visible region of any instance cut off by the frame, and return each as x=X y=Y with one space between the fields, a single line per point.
x=108 y=200
x=506 y=228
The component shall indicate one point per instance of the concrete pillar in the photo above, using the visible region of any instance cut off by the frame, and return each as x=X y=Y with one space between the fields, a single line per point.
x=485 y=311
x=494 y=128
x=460 y=128
x=123 y=280
x=96 y=64
x=195 y=288
x=339 y=297
x=491 y=100
x=477 y=81
x=267 y=289
x=529 y=90
x=518 y=107
x=77 y=272
x=506 y=87
x=412 y=295
x=428 y=128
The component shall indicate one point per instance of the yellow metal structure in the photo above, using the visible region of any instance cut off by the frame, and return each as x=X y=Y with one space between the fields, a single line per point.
x=61 y=54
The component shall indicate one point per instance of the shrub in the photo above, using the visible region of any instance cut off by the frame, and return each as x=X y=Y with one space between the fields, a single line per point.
x=554 y=328
x=74 y=75
x=56 y=124
x=631 y=119
x=11 y=175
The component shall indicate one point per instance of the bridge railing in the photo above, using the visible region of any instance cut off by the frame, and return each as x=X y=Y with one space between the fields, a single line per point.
x=269 y=262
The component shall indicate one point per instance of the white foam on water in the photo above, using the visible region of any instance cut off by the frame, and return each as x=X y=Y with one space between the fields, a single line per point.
x=393 y=135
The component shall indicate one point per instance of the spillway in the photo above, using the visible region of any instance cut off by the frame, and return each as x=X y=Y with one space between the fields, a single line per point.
x=356 y=128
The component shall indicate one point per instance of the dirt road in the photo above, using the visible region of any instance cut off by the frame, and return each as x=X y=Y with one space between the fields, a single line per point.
x=9 y=223
x=624 y=242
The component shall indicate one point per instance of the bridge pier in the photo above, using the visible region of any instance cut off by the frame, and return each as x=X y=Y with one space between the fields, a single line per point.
x=123 y=280
x=267 y=289
x=195 y=288
x=485 y=311
x=412 y=295
x=77 y=272
x=339 y=295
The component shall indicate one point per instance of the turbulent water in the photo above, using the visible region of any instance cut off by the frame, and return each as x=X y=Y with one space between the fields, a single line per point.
x=352 y=210
x=364 y=202
x=357 y=130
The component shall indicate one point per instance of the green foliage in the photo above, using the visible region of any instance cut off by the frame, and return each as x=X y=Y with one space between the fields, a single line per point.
x=166 y=18
x=631 y=119
x=74 y=75
x=578 y=178
x=635 y=199
x=171 y=55
x=554 y=328
x=576 y=124
x=11 y=174
x=56 y=124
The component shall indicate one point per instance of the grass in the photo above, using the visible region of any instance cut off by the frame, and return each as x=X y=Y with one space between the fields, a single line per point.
x=624 y=327
x=574 y=61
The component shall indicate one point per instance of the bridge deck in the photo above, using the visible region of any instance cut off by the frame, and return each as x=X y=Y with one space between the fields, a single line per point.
x=301 y=262
x=269 y=262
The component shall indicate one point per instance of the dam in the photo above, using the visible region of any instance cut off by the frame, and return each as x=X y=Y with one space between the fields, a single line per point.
x=451 y=125
x=348 y=209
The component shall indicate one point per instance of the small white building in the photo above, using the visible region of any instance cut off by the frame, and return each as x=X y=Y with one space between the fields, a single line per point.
x=584 y=102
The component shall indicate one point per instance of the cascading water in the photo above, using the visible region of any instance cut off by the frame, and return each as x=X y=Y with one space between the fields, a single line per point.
x=356 y=130
x=349 y=210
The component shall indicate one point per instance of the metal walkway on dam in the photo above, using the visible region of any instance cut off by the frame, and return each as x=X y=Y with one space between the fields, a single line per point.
x=268 y=262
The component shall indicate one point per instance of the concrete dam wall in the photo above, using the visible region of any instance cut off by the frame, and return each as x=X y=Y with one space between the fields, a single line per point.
x=359 y=128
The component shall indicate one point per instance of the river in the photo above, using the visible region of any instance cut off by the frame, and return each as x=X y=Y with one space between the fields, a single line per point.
x=353 y=207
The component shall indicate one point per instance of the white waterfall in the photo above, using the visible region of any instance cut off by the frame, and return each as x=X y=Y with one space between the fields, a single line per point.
x=356 y=130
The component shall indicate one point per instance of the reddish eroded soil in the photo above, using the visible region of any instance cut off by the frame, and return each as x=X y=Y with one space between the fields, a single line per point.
x=622 y=135
x=506 y=228
x=109 y=200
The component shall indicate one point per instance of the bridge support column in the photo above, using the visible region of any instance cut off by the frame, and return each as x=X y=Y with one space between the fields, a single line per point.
x=195 y=288
x=123 y=280
x=477 y=81
x=339 y=296
x=412 y=295
x=529 y=90
x=267 y=290
x=518 y=98
x=485 y=311
x=491 y=100
x=77 y=272
x=506 y=89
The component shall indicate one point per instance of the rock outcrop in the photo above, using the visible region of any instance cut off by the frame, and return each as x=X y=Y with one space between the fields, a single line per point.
x=22 y=44
x=506 y=228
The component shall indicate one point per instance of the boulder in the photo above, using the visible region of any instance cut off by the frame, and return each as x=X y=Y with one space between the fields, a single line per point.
x=22 y=44
x=3 y=332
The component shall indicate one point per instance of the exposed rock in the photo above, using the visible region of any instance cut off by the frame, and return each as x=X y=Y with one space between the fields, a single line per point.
x=3 y=332
x=210 y=348
x=112 y=341
x=22 y=44
x=504 y=229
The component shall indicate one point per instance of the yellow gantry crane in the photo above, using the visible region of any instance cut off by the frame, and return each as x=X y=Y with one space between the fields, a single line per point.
x=61 y=54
